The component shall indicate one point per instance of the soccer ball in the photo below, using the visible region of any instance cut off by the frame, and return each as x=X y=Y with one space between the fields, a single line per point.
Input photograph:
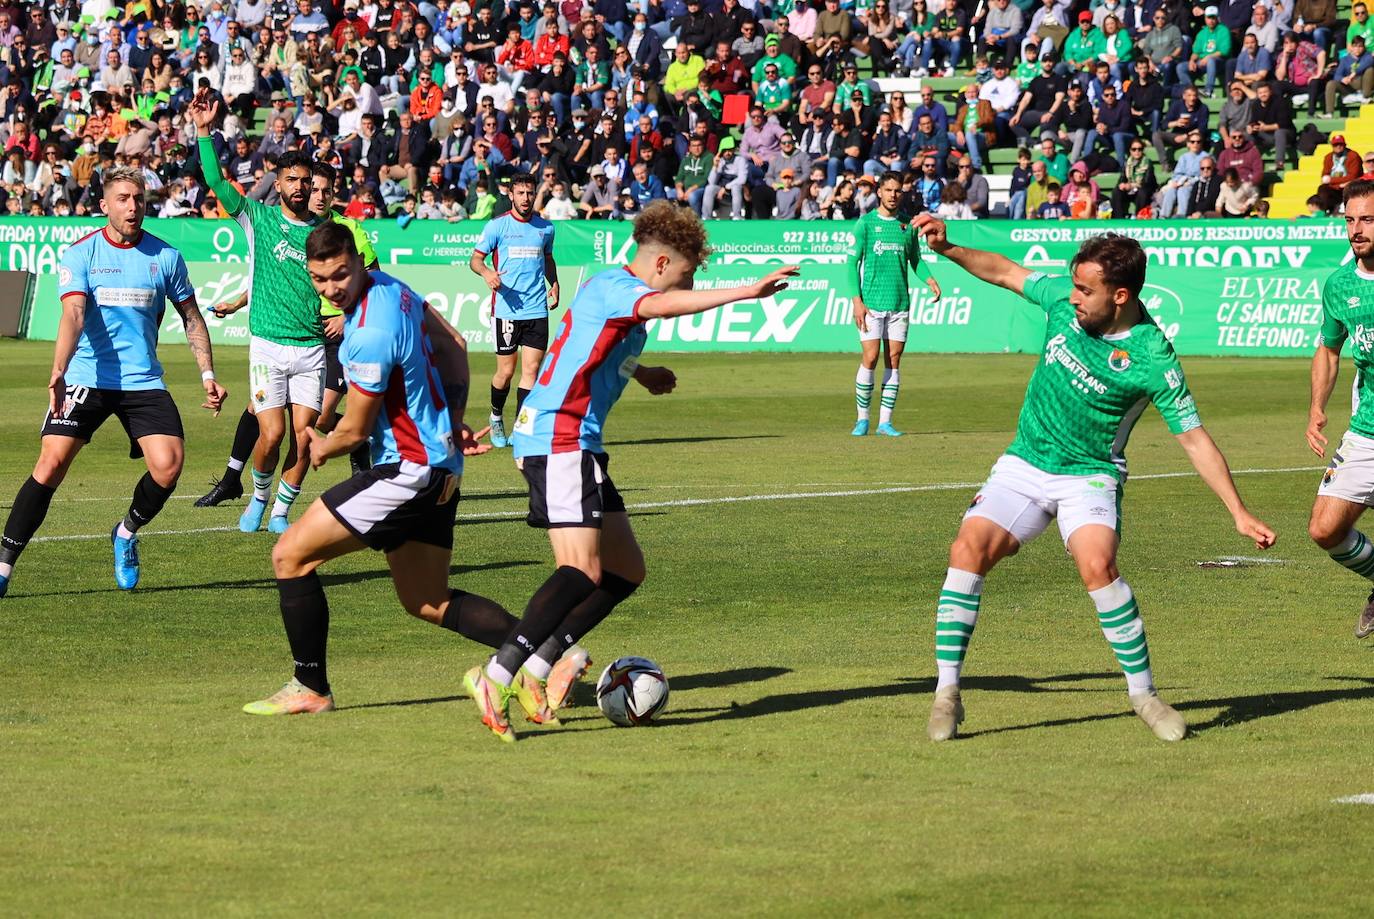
x=632 y=691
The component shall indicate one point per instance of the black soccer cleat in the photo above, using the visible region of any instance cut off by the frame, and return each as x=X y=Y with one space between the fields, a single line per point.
x=225 y=489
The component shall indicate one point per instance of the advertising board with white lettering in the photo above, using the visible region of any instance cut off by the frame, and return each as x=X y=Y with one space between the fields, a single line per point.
x=1216 y=287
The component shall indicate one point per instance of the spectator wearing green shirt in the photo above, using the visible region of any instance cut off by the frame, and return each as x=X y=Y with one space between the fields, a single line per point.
x=1359 y=24
x=1117 y=48
x=773 y=95
x=591 y=80
x=1211 y=47
x=1056 y=163
x=772 y=54
x=1084 y=47
x=1028 y=68
x=692 y=173
x=850 y=85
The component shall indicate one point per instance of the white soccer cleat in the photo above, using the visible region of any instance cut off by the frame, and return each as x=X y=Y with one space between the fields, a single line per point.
x=1162 y=718
x=946 y=714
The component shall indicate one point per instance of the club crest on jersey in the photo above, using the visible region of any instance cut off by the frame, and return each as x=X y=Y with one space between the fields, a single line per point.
x=1120 y=360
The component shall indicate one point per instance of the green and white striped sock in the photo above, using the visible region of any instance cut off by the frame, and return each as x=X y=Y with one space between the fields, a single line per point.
x=262 y=485
x=955 y=616
x=892 y=381
x=863 y=391
x=1119 y=617
x=286 y=496
x=1355 y=552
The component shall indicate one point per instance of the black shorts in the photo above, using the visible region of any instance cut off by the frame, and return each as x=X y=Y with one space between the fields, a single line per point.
x=142 y=412
x=570 y=490
x=334 y=380
x=390 y=505
x=511 y=335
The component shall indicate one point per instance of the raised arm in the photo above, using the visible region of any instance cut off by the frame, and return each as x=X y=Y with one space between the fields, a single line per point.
x=1211 y=465
x=687 y=302
x=986 y=266
x=204 y=110
x=1326 y=366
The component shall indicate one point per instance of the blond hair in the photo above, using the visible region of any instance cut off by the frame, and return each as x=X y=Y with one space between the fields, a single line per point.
x=125 y=174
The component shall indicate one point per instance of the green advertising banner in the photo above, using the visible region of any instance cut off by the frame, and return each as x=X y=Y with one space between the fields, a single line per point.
x=1216 y=287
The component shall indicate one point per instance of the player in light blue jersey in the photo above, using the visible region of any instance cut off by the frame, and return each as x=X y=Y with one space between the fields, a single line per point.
x=524 y=288
x=114 y=285
x=408 y=378
x=557 y=440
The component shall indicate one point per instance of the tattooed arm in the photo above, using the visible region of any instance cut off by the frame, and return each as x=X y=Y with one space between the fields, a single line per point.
x=198 y=337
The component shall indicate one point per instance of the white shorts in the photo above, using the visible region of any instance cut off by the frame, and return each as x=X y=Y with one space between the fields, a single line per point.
x=1022 y=500
x=1350 y=476
x=886 y=325
x=278 y=374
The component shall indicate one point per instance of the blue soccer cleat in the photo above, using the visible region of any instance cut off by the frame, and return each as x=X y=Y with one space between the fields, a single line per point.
x=278 y=523
x=125 y=560
x=251 y=521
x=887 y=430
x=860 y=427
x=4 y=584
x=498 y=432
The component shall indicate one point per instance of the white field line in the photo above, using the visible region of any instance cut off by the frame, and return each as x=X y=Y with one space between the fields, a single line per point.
x=725 y=499
x=1354 y=799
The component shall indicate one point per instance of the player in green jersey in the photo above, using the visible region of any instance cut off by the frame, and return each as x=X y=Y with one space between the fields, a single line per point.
x=1347 y=486
x=883 y=247
x=286 y=358
x=229 y=486
x=1104 y=361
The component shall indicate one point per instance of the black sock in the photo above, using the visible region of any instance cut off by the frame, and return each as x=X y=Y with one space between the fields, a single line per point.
x=149 y=497
x=565 y=589
x=484 y=621
x=245 y=438
x=520 y=395
x=498 y=400
x=26 y=516
x=305 y=613
x=586 y=616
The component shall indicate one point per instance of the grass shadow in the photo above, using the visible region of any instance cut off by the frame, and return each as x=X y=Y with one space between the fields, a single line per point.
x=329 y=580
x=1234 y=709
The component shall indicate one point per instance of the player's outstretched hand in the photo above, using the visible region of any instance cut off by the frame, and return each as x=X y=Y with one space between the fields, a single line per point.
x=333 y=328
x=1247 y=524
x=771 y=283
x=1315 y=438
x=659 y=381
x=470 y=443
x=57 y=393
x=933 y=230
x=204 y=108
x=215 y=395
x=223 y=310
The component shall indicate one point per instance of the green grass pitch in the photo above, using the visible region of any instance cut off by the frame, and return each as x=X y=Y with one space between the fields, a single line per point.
x=791 y=774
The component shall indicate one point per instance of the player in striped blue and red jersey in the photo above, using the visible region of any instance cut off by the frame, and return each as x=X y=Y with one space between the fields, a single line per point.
x=557 y=440
x=407 y=372
x=114 y=286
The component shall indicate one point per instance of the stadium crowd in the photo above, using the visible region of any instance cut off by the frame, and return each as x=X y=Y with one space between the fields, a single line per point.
x=758 y=110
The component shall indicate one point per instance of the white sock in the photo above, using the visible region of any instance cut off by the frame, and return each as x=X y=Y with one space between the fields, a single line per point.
x=262 y=485
x=538 y=667
x=1120 y=620
x=863 y=391
x=1356 y=553
x=123 y=531
x=498 y=674
x=955 y=617
x=892 y=381
x=286 y=496
x=235 y=463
